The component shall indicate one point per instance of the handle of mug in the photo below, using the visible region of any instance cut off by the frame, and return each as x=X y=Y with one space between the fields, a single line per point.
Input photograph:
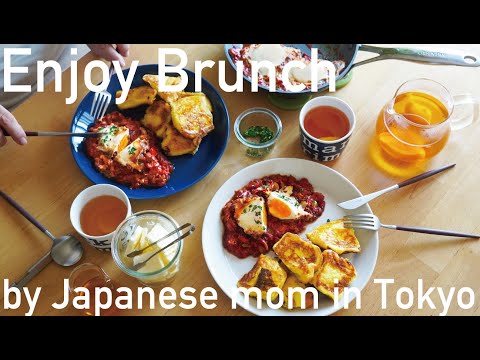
x=466 y=111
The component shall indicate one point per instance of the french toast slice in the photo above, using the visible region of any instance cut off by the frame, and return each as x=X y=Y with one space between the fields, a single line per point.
x=334 y=267
x=168 y=96
x=157 y=117
x=300 y=256
x=333 y=235
x=175 y=144
x=142 y=95
x=192 y=115
x=288 y=289
x=265 y=274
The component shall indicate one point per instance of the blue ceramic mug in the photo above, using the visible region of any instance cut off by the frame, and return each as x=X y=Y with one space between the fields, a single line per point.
x=323 y=150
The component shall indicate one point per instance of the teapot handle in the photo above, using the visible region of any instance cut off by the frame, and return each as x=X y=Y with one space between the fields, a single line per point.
x=465 y=111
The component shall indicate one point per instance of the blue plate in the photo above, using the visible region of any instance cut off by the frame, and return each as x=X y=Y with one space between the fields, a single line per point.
x=188 y=169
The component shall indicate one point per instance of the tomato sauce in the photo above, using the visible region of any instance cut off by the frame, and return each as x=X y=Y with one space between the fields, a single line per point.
x=242 y=245
x=156 y=169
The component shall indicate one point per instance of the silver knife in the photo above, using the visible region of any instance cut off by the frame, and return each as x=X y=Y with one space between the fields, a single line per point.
x=34 y=270
x=357 y=202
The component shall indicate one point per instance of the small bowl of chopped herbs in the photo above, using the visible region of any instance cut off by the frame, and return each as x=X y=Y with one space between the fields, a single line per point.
x=258 y=129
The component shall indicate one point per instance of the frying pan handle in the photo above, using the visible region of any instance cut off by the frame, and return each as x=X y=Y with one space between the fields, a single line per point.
x=432 y=56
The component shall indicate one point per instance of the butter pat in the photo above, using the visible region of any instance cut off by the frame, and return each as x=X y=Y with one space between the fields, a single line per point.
x=157 y=232
x=135 y=240
x=154 y=264
x=160 y=260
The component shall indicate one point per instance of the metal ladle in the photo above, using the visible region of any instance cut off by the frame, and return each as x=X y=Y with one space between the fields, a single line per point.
x=66 y=250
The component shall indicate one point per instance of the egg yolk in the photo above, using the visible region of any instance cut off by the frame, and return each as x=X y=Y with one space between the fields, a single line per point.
x=279 y=209
x=123 y=143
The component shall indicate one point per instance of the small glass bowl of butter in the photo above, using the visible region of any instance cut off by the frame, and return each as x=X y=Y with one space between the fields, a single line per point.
x=139 y=231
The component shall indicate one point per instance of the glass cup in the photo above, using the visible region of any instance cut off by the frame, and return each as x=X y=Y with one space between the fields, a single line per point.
x=170 y=264
x=258 y=121
x=91 y=276
x=416 y=124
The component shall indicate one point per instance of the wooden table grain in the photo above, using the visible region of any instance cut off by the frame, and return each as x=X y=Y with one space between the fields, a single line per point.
x=44 y=178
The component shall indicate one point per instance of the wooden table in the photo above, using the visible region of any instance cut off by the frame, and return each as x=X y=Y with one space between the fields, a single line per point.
x=43 y=177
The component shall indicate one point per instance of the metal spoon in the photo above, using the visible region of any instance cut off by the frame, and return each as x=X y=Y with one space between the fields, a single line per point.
x=66 y=250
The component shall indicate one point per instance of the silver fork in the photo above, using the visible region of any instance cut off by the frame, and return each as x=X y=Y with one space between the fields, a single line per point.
x=101 y=100
x=371 y=222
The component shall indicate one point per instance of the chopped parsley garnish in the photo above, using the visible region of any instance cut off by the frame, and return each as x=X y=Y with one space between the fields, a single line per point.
x=113 y=130
x=289 y=200
x=132 y=150
x=262 y=133
x=328 y=220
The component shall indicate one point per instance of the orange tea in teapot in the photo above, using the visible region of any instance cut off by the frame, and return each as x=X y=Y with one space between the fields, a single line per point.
x=424 y=106
x=412 y=128
x=407 y=134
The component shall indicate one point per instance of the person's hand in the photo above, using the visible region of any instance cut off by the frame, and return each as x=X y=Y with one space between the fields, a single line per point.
x=10 y=124
x=111 y=52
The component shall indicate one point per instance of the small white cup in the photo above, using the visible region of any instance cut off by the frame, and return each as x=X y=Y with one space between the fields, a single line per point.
x=100 y=242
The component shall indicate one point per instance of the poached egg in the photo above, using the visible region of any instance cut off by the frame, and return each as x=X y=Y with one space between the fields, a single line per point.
x=114 y=139
x=274 y=53
x=251 y=215
x=129 y=155
x=305 y=75
x=283 y=206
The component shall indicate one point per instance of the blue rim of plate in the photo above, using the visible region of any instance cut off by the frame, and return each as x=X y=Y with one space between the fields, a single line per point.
x=188 y=169
x=305 y=50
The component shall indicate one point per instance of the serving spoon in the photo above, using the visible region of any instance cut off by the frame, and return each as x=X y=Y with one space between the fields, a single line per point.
x=66 y=250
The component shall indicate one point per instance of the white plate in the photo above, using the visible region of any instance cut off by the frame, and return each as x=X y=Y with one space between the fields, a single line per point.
x=227 y=269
